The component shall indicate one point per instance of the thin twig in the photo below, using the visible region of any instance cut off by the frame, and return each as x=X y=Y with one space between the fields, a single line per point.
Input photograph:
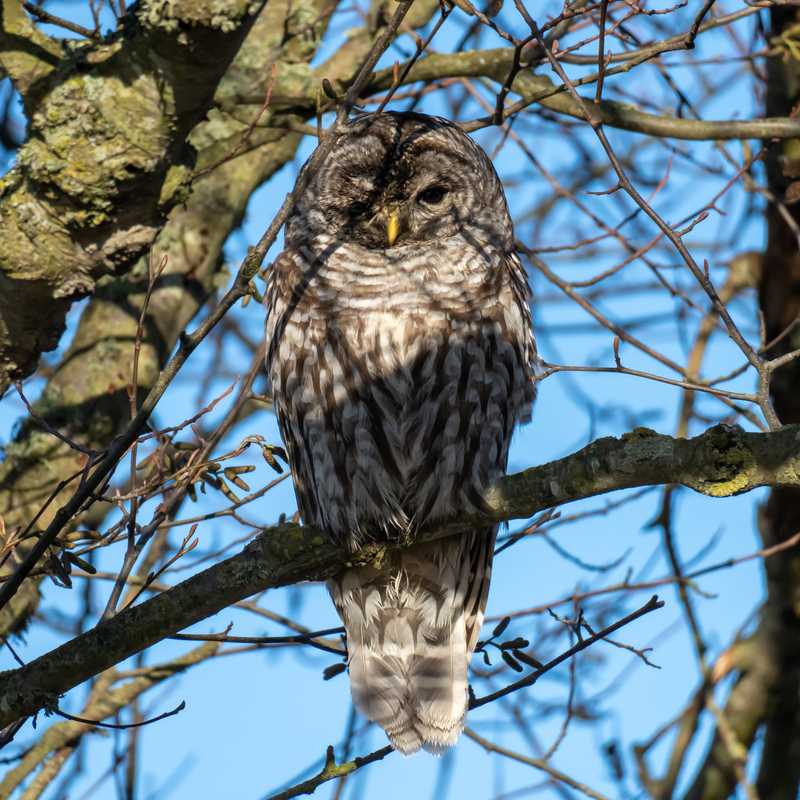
x=651 y=605
x=538 y=763
x=331 y=771
x=52 y=19
x=122 y=726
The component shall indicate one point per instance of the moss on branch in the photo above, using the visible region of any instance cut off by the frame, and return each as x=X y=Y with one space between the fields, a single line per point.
x=722 y=461
x=26 y=54
x=331 y=771
x=106 y=156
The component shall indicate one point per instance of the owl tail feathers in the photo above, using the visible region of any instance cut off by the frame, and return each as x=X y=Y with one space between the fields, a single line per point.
x=412 y=735
x=422 y=711
x=412 y=626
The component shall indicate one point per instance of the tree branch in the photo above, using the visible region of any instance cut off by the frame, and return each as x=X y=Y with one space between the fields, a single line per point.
x=105 y=700
x=88 y=193
x=332 y=770
x=538 y=763
x=27 y=55
x=721 y=462
x=495 y=64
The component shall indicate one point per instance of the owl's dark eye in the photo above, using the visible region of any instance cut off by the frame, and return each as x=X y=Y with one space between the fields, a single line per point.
x=433 y=195
x=357 y=209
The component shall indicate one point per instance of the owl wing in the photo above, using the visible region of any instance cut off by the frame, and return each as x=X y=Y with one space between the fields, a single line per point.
x=285 y=284
x=524 y=339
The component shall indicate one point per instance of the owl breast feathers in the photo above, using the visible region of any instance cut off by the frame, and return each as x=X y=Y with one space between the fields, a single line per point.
x=401 y=356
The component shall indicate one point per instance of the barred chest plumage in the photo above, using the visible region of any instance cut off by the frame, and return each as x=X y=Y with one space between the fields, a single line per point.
x=398 y=377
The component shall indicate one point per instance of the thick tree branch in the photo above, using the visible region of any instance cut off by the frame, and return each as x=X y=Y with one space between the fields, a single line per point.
x=744 y=712
x=298 y=91
x=106 y=157
x=27 y=55
x=721 y=462
x=495 y=64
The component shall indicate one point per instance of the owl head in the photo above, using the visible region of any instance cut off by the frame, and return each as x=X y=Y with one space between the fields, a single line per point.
x=395 y=180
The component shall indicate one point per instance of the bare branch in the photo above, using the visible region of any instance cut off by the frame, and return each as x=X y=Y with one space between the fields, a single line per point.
x=721 y=462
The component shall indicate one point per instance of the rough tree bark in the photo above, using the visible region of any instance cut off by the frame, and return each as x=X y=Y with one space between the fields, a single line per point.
x=779 y=774
x=765 y=695
x=106 y=155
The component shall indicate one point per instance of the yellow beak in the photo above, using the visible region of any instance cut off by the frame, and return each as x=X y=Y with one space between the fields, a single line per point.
x=392 y=227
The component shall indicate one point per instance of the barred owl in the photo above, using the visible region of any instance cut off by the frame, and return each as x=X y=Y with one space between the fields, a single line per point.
x=401 y=356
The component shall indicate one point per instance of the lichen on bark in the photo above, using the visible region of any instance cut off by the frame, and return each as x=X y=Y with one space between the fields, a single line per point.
x=108 y=128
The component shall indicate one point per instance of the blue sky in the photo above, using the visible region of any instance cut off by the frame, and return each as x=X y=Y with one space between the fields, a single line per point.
x=257 y=721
